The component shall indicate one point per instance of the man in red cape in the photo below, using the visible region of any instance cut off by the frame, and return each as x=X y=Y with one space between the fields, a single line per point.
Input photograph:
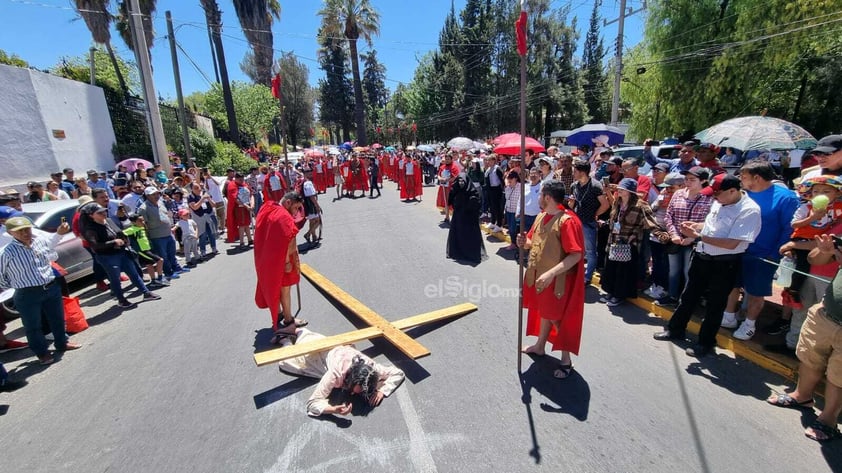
x=319 y=176
x=276 y=261
x=552 y=287
x=274 y=187
x=412 y=187
x=230 y=192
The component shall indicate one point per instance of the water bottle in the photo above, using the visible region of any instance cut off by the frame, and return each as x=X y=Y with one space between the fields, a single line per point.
x=785 y=271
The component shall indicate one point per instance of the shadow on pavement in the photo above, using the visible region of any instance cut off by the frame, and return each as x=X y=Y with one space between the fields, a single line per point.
x=729 y=373
x=111 y=313
x=283 y=391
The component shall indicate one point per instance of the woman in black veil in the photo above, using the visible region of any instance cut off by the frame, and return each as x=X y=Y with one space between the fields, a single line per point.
x=464 y=241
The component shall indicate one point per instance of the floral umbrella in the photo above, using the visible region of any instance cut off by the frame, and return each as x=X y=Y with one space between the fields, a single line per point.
x=131 y=164
x=461 y=143
x=757 y=132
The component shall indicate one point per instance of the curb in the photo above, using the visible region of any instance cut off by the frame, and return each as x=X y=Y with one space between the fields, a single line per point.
x=780 y=364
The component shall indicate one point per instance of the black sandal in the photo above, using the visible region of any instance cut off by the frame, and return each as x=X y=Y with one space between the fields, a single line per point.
x=830 y=433
x=563 y=371
x=789 y=402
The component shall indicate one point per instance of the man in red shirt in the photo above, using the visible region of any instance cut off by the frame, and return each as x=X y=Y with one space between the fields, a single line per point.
x=552 y=288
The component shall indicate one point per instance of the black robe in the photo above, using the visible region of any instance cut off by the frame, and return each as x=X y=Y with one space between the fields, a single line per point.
x=464 y=241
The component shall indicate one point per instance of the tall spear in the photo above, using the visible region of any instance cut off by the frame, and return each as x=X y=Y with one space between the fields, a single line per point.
x=520 y=29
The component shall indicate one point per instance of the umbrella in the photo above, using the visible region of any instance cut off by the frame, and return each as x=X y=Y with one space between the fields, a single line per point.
x=584 y=135
x=346 y=147
x=505 y=137
x=360 y=149
x=746 y=133
x=427 y=148
x=333 y=151
x=481 y=146
x=410 y=148
x=314 y=153
x=461 y=143
x=512 y=146
x=561 y=133
x=131 y=164
x=376 y=146
x=390 y=149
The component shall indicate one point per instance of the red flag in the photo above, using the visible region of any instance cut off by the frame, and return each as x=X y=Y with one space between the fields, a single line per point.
x=520 y=28
x=276 y=86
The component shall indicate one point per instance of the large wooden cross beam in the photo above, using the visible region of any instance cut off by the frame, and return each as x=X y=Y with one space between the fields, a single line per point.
x=378 y=326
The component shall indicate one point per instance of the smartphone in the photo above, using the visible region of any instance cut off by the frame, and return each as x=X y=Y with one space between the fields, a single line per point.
x=605 y=181
x=64 y=220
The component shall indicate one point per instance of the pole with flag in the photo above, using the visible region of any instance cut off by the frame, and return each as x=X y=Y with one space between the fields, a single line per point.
x=520 y=30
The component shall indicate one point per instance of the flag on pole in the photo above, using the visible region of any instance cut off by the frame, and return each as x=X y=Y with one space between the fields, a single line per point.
x=520 y=28
x=276 y=86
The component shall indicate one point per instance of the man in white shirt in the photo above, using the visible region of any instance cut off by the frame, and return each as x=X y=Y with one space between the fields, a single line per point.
x=732 y=224
x=311 y=208
x=532 y=195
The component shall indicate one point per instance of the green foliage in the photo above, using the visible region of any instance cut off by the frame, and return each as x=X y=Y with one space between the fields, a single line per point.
x=202 y=145
x=78 y=68
x=12 y=60
x=374 y=87
x=336 y=91
x=253 y=104
x=593 y=70
x=298 y=98
x=229 y=155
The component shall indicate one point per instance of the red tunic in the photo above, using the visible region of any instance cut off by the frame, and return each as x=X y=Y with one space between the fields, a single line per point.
x=444 y=190
x=233 y=233
x=319 y=176
x=411 y=185
x=274 y=246
x=274 y=195
x=571 y=308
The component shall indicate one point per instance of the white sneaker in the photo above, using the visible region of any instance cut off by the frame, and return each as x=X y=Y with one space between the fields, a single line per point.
x=729 y=321
x=744 y=332
x=658 y=292
x=496 y=229
x=651 y=291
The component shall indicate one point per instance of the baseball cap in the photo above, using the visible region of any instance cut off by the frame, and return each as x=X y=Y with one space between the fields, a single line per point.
x=18 y=223
x=544 y=160
x=663 y=167
x=92 y=208
x=708 y=146
x=689 y=144
x=722 y=182
x=698 y=171
x=151 y=190
x=7 y=212
x=183 y=212
x=829 y=144
x=92 y=172
x=672 y=179
x=628 y=184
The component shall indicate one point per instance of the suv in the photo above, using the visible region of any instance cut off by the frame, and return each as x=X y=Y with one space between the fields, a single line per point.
x=662 y=151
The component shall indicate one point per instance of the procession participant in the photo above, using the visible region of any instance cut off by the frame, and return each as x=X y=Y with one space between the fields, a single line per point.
x=373 y=176
x=319 y=181
x=329 y=173
x=552 y=286
x=274 y=186
x=26 y=266
x=400 y=173
x=413 y=186
x=731 y=225
x=276 y=261
x=242 y=211
x=339 y=170
x=447 y=173
x=345 y=368
x=464 y=239
x=230 y=193
x=357 y=177
x=312 y=210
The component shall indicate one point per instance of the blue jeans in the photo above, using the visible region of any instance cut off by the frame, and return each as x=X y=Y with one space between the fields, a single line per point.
x=511 y=221
x=165 y=248
x=589 y=229
x=99 y=272
x=258 y=201
x=114 y=265
x=32 y=303
x=679 y=266
x=660 y=264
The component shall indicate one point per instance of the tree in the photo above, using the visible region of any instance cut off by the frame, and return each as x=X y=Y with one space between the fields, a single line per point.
x=352 y=20
x=214 y=19
x=298 y=98
x=253 y=104
x=147 y=9
x=594 y=70
x=336 y=90
x=374 y=86
x=473 y=54
x=12 y=60
x=78 y=68
x=256 y=20
x=98 y=20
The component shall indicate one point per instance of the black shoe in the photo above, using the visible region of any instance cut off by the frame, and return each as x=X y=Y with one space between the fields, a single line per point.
x=151 y=296
x=699 y=351
x=778 y=327
x=7 y=385
x=669 y=335
x=124 y=303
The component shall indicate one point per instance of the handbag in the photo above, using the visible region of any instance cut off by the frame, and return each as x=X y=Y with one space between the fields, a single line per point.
x=619 y=252
x=74 y=317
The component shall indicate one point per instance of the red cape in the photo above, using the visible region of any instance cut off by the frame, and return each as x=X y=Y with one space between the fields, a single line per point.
x=418 y=191
x=233 y=233
x=268 y=193
x=274 y=235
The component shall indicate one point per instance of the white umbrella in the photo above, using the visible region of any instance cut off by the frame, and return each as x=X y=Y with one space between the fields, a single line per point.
x=461 y=143
x=758 y=132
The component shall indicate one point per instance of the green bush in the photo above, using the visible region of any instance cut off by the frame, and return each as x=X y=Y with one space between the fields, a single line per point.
x=202 y=145
x=229 y=155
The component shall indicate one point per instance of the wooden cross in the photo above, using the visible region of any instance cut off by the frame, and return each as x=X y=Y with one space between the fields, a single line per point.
x=378 y=326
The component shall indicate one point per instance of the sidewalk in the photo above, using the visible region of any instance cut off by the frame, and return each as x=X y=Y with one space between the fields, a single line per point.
x=752 y=350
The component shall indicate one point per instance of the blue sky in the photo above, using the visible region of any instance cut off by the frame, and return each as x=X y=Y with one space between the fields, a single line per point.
x=43 y=31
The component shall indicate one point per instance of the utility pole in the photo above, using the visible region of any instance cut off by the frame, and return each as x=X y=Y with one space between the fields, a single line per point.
x=92 y=51
x=182 y=113
x=618 y=57
x=153 y=113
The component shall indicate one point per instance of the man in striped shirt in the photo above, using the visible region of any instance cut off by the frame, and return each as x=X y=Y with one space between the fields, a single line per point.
x=25 y=265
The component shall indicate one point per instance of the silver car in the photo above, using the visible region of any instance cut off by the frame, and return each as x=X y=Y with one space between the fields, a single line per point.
x=72 y=256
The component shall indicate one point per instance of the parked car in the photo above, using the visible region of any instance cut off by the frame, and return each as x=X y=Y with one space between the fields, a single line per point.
x=47 y=216
x=663 y=151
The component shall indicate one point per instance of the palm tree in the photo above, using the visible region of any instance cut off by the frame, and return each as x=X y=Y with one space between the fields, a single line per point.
x=214 y=19
x=96 y=16
x=352 y=19
x=256 y=19
x=147 y=9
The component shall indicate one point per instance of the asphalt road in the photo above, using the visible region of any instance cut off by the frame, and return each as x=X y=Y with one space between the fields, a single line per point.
x=170 y=386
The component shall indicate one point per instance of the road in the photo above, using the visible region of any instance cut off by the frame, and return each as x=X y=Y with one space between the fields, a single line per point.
x=170 y=386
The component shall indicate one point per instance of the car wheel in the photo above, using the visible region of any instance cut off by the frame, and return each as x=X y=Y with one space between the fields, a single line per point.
x=9 y=310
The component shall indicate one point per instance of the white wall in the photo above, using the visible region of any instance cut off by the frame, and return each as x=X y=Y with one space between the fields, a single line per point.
x=33 y=105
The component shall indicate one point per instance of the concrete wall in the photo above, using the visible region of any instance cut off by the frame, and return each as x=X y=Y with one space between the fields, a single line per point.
x=33 y=105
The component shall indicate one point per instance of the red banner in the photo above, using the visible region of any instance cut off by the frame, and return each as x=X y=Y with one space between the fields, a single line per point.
x=520 y=28
x=276 y=86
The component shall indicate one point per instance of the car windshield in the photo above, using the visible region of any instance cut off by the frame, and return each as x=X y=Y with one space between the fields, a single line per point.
x=49 y=221
x=629 y=153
